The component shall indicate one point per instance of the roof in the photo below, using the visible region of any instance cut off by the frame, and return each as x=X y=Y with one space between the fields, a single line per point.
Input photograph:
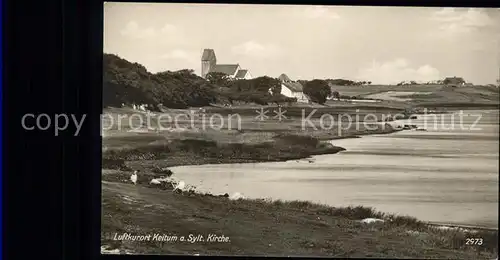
x=293 y=86
x=208 y=54
x=228 y=69
x=284 y=78
x=241 y=73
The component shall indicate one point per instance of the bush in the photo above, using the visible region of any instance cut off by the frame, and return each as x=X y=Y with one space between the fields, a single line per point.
x=318 y=90
x=162 y=171
x=126 y=82
x=114 y=164
x=255 y=91
x=300 y=140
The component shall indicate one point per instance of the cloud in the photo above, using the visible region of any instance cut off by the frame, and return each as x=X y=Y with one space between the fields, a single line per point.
x=132 y=30
x=320 y=12
x=168 y=33
x=176 y=59
x=455 y=20
x=169 y=29
x=179 y=54
x=257 y=50
x=397 y=70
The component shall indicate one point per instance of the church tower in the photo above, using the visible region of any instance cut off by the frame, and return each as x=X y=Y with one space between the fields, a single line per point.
x=208 y=61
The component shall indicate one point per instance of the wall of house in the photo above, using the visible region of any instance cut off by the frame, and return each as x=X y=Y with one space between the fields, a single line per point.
x=248 y=75
x=301 y=97
x=286 y=91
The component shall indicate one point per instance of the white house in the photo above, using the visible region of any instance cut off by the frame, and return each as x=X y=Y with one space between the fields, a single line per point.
x=209 y=64
x=292 y=89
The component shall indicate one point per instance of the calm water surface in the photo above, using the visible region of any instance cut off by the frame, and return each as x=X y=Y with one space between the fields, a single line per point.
x=443 y=175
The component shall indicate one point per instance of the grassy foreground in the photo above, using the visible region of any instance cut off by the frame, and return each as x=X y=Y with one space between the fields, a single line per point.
x=252 y=227
x=263 y=227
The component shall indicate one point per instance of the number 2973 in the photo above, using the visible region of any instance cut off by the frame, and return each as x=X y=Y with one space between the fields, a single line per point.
x=473 y=241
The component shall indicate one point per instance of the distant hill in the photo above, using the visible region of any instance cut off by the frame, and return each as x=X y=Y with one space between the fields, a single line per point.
x=420 y=94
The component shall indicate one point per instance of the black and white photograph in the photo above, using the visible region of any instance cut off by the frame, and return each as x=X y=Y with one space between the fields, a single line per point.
x=300 y=130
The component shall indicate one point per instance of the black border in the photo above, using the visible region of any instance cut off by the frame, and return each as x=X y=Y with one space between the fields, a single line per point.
x=53 y=64
x=51 y=190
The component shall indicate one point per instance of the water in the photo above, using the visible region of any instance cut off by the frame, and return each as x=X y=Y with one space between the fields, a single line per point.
x=441 y=175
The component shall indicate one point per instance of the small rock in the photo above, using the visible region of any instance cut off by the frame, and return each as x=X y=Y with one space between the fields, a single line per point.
x=371 y=220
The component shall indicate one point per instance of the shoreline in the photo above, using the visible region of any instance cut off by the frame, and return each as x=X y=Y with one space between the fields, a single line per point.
x=274 y=227
x=466 y=226
x=341 y=149
x=322 y=147
x=262 y=226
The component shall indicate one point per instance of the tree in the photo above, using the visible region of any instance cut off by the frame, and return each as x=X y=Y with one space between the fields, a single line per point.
x=335 y=94
x=261 y=84
x=454 y=81
x=130 y=83
x=218 y=78
x=318 y=90
x=255 y=90
x=302 y=82
x=369 y=82
x=265 y=83
x=127 y=82
x=279 y=98
x=342 y=82
x=276 y=90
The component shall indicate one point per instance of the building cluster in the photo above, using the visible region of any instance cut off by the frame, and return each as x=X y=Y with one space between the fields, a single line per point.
x=209 y=64
x=289 y=88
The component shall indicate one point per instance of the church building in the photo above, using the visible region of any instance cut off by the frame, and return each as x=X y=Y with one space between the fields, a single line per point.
x=209 y=64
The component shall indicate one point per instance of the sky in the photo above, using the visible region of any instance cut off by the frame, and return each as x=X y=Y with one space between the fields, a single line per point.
x=384 y=45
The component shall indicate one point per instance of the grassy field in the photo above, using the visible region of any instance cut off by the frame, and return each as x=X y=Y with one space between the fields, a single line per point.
x=272 y=228
x=372 y=89
x=243 y=123
x=254 y=227
x=427 y=95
